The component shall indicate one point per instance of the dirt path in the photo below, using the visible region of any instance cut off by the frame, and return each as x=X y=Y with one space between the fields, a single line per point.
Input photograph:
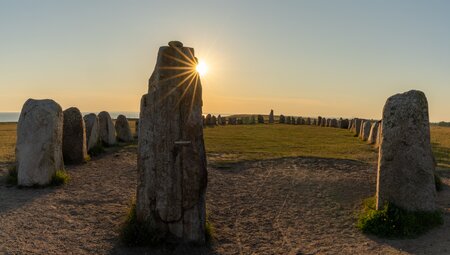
x=285 y=206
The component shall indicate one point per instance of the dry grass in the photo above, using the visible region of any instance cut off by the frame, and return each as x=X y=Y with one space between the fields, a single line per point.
x=257 y=142
x=7 y=141
x=440 y=140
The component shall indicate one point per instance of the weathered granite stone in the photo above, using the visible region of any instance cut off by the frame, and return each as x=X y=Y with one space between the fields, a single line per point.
x=92 y=130
x=123 y=129
x=299 y=121
x=39 y=142
x=373 y=133
x=271 y=118
x=282 y=119
x=213 y=121
x=405 y=165
x=219 y=120
x=319 y=121
x=378 y=141
x=365 y=132
x=208 y=120
x=74 y=137
x=334 y=123
x=106 y=129
x=308 y=121
x=172 y=172
x=357 y=126
x=136 y=128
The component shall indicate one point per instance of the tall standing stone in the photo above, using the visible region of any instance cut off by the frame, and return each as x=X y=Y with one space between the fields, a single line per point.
x=92 y=130
x=74 y=137
x=172 y=174
x=405 y=164
x=213 y=121
x=271 y=118
x=373 y=133
x=333 y=123
x=319 y=121
x=365 y=130
x=208 y=119
x=39 y=142
x=282 y=119
x=123 y=130
x=357 y=126
x=106 y=129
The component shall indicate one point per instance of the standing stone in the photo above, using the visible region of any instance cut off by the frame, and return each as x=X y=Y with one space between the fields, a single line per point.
x=92 y=130
x=74 y=137
x=288 y=120
x=271 y=118
x=172 y=173
x=319 y=121
x=208 y=119
x=219 y=120
x=39 y=142
x=282 y=119
x=106 y=128
x=405 y=164
x=253 y=119
x=357 y=126
x=299 y=121
x=308 y=121
x=324 y=122
x=232 y=121
x=378 y=141
x=373 y=133
x=224 y=121
x=136 y=128
x=213 y=121
x=314 y=122
x=365 y=132
x=333 y=123
x=123 y=129
x=260 y=119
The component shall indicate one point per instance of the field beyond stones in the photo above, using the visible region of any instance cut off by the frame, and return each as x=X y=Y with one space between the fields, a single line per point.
x=272 y=189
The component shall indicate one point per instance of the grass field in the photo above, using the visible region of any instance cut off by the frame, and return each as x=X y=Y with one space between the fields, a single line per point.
x=227 y=144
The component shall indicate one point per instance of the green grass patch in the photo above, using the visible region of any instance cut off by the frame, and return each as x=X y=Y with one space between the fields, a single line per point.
x=134 y=233
x=60 y=177
x=395 y=222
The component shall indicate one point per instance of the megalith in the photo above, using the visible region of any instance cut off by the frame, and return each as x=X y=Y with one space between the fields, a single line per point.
x=405 y=164
x=92 y=130
x=74 y=137
x=123 y=130
x=365 y=130
x=271 y=118
x=260 y=119
x=373 y=133
x=282 y=119
x=39 y=142
x=106 y=129
x=172 y=173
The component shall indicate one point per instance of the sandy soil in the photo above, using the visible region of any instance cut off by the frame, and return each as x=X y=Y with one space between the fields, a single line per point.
x=285 y=206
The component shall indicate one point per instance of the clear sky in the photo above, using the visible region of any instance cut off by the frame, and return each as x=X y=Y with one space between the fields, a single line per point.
x=329 y=58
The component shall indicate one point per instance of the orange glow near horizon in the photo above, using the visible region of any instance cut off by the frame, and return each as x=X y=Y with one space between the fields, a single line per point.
x=201 y=68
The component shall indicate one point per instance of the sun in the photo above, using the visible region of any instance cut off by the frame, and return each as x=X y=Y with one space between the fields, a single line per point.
x=201 y=68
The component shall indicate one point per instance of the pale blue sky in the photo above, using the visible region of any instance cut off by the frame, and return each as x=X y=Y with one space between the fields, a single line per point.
x=330 y=58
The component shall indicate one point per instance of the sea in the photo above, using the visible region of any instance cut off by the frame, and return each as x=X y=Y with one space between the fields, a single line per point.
x=14 y=116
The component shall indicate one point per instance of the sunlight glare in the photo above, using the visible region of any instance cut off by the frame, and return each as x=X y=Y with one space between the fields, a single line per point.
x=201 y=68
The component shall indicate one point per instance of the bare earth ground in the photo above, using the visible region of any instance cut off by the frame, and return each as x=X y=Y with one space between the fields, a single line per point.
x=284 y=206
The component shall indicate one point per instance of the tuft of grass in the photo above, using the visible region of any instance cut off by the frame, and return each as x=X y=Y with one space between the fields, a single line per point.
x=97 y=150
x=59 y=178
x=209 y=232
x=395 y=222
x=11 y=178
x=134 y=233
x=438 y=182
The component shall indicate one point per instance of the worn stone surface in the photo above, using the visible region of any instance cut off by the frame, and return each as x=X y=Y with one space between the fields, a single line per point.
x=378 y=141
x=123 y=130
x=373 y=133
x=39 y=142
x=333 y=123
x=405 y=165
x=299 y=121
x=282 y=119
x=208 y=119
x=357 y=126
x=213 y=121
x=319 y=121
x=74 y=137
x=107 y=131
x=365 y=130
x=271 y=118
x=92 y=130
x=136 y=129
x=308 y=121
x=172 y=173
